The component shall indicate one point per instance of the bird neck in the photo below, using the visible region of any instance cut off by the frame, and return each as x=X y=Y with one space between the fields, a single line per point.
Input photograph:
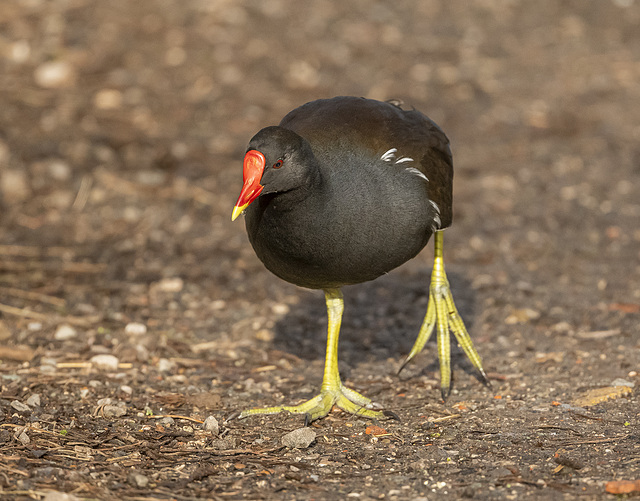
x=310 y=186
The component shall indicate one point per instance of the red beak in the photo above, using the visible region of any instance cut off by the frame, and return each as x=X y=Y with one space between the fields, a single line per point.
x=252 y=171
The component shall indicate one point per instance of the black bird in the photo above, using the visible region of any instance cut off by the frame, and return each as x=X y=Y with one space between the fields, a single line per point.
x=341 y=192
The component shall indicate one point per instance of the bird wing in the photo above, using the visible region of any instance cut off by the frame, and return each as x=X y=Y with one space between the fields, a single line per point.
x=346 y=123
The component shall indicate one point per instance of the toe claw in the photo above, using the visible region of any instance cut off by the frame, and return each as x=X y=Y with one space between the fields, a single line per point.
x=391 y=415
x=233 y=415
x=404 y=364
x=485 y=380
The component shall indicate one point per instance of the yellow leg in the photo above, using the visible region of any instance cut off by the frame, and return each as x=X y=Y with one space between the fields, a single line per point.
x=332 y=391
x=443 y=315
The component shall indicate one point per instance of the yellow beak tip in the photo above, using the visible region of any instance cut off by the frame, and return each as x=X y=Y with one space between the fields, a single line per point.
x=237 y=210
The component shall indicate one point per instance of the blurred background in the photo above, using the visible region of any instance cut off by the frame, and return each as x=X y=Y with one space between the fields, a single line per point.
x=123 y=126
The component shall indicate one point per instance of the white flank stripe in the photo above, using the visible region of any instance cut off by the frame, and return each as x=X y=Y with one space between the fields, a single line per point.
x=389 y=155
x=416 y=172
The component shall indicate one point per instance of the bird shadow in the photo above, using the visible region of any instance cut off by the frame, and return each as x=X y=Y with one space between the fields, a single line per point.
x=381 y=320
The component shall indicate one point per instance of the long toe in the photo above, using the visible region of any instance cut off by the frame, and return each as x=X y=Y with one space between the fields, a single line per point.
x=319 y=406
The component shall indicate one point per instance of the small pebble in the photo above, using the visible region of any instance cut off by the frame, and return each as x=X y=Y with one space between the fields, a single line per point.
x=59 y=170
x=139 y=480
x=211 y=424
x=20 y=407
x=48 y=361
x=265 y=335
x=24 y=438
x=622 y=382
x=299 y=439
x=223 y=444
x=14 y=186
x=20 y=51
x=280 y=308
x=47 y=369
x=126 y=389
x=142 y=353
x=170 y=284
x=135 y=329
x=218 y=304
x=521 y=316
x=64 y=332
x=105 y=362
x=34 y=400
x=166 y=365
x=108 y=99
x=167 y=421
x=114 y=411
x=54 y=74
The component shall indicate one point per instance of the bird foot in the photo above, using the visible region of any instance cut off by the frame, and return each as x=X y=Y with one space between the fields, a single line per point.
x=443 y=317
x=319 y=406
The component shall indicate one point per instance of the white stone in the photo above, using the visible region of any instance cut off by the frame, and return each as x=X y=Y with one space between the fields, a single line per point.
x=105 y=362
x=20 y=407
x=34 y=400
x=211 y=424
x=299 y=439
x=59 y=170
x=135 y=329
x=64 y=332
x=54 y=74
x=166 y=365
x=113 y=411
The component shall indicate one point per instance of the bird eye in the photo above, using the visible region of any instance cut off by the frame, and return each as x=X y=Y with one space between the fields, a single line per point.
x=278 y=164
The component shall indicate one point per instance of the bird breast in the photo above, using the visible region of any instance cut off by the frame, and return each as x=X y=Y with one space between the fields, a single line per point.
x=354 y=229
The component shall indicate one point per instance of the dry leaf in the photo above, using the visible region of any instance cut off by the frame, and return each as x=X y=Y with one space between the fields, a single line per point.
x=622 y=486
x=376 y=431
x=599 y=395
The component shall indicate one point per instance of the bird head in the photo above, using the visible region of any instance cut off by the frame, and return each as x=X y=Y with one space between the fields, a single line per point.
x=277 y=160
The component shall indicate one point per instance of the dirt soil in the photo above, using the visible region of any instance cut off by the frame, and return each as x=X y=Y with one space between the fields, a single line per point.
x=135 y=317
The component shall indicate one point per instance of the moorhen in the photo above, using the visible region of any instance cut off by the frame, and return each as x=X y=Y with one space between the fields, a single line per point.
x=341 y=192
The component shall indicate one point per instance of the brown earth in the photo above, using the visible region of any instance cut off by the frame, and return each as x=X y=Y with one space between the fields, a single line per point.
x=122 y=129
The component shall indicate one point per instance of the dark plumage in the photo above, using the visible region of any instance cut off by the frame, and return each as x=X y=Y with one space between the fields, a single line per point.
x=343 y=191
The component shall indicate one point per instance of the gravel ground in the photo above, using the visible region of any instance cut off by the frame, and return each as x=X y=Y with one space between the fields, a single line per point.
x=135 y=318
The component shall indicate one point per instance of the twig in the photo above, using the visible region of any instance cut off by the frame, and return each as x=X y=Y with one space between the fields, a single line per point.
x=176 y=416
x=88 y=365
x=35 y=296
x=83 y=193
x=22 y=312
x=595 y=441
x=26 y=313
